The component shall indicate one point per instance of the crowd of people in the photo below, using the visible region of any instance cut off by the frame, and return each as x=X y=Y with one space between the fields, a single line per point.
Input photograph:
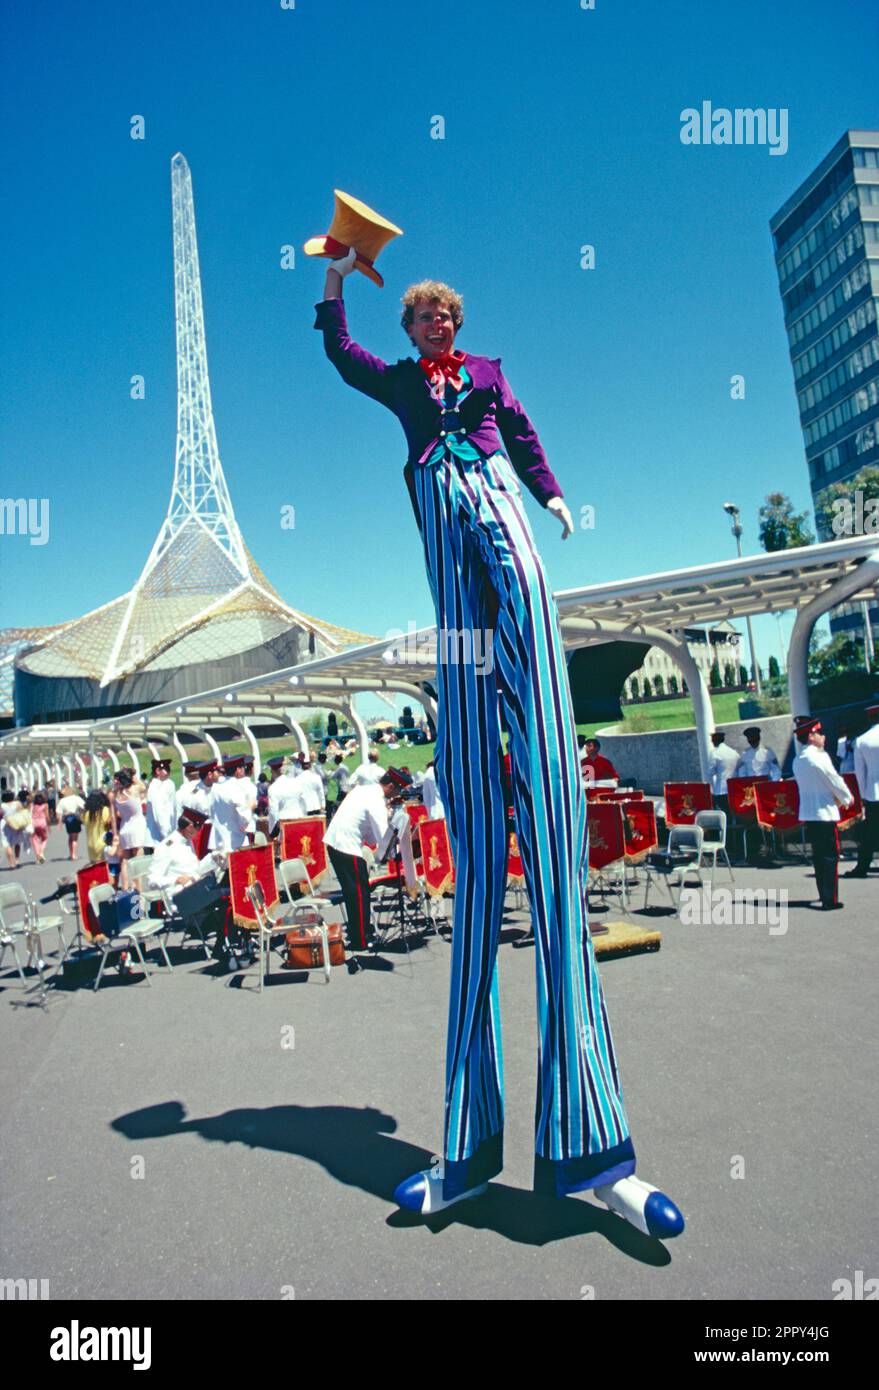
x=129 y=817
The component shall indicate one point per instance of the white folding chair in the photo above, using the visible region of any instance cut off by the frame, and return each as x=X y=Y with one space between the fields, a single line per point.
x=31 y=928
x=686 y=837
x=294 y=872
x=275 y=921
x=132 y=939
x=713 y=827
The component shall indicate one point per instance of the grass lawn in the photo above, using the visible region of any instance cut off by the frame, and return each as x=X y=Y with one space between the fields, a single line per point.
x=669 y=714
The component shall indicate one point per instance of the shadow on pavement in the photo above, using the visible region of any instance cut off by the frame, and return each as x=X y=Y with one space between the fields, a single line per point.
x=356 y=1147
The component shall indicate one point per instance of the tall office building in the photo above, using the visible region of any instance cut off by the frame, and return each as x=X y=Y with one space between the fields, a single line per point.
x=826 y=239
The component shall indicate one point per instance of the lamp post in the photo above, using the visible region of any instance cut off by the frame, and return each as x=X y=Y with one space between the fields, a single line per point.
x=734 y=514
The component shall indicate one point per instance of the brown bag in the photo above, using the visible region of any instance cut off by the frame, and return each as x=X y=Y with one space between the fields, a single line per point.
x=305 y=948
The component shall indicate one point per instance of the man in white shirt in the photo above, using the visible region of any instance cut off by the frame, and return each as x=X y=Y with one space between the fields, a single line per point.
x=202 y=794
x=251 y=795
x=232 y=805
x=845 y=749
x=721 y=766
x=311 y=790
x=757 y=761
x=361 y=818
x=370 y=771
x=285 y=800
x=342 y=778
x=866 y=769
x=161 y=809
x=174 y=863
x=430 y=794
x=822 y=792
x=187 y=787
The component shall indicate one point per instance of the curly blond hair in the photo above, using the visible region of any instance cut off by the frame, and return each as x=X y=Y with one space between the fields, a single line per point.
x=431 y=291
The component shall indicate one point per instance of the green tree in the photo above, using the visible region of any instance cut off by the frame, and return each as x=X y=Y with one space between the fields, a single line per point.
x=840 y=511
x=659 y=685
x=834 y=656
x=634 y=687
x=743 y=675
x=648 y=690
x=729 y=674
x=714 y=676
x=781 y=528
x=774 y=670
x=673 y=684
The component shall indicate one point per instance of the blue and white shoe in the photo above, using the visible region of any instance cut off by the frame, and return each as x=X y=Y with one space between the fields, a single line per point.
x=645 y=1207
x=423 y=1193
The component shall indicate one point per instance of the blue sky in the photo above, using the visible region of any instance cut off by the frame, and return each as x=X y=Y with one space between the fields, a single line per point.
x=562 y=128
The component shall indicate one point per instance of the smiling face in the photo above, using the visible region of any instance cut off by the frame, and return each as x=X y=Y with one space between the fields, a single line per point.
x=433 y=329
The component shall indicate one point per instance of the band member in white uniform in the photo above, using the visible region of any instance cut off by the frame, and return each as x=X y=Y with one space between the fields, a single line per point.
x=867 y=772
x=822 y=792
x=721 y=766
x=174 y=864
x=310 y=786
x=430 y=794
x=252 y=794
x=202 y=794
x=187 y=786
x=370 y=771
x=232 y=805
x=285 y=801
x=362 y=818
x=757 y=761
x=161 y=811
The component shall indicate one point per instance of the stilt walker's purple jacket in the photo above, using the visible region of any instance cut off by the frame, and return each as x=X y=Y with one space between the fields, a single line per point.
x=491 y=415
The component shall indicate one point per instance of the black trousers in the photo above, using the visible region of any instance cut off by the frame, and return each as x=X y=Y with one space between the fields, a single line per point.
x=353 y=876
x=823 y=839
x=869 y=841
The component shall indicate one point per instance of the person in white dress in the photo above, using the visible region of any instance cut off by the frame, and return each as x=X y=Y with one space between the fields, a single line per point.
x=126 y=802
x=161 y=812
x=866 y=770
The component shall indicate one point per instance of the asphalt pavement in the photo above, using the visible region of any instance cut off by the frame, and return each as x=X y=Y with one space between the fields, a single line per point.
x=194 y=1139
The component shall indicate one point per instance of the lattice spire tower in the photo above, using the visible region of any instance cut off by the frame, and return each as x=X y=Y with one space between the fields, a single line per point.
x=201 y=597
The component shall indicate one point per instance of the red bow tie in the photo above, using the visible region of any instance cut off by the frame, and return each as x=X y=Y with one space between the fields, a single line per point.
x=439 y=370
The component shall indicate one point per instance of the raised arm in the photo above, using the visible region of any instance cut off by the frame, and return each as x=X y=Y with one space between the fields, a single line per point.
x=353 y=363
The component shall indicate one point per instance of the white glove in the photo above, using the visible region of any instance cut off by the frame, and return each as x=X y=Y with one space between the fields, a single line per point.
x=559 y=509
x=345 y=264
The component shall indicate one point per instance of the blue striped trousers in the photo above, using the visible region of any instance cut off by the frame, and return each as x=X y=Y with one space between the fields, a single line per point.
x=488 y=583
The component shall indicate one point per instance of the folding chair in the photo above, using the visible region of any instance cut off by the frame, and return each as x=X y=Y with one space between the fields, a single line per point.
x=173 y=920
x=293 y=872
x=687 y=837
x=713 y=826
x=31 y=929
x=270 y=922
x=132 y=939
x=138 y=868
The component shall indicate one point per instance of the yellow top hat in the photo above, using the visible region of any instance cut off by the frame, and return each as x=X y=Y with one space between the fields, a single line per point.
x=354 y=224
